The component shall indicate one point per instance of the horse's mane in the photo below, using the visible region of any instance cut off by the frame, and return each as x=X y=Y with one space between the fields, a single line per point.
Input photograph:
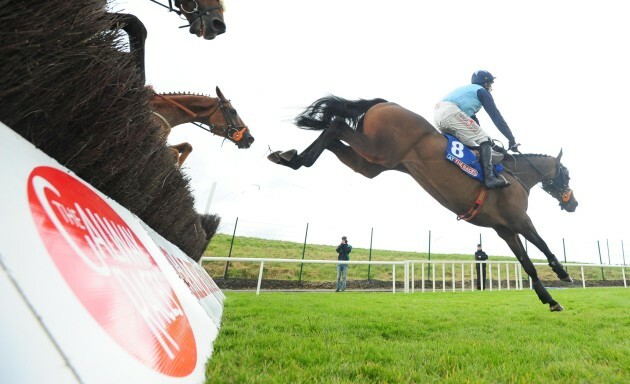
x=515 y=158
x=178 y=93
x=517 y=155
x=512 y=160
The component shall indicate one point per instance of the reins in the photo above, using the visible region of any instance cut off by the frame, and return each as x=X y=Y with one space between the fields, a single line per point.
x=195 y=10
x=176 y=104
x=170 y=6
x=546 y=180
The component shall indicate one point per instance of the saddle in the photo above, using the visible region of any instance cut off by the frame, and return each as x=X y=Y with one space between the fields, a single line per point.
x=467 y=159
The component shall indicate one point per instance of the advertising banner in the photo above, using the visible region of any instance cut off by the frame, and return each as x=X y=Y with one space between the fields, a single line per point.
x=87 y=294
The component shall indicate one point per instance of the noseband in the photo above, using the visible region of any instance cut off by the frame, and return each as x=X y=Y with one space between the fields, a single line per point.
x=231 y=130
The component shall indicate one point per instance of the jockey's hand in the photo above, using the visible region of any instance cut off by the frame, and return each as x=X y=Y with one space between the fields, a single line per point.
x=512 y=146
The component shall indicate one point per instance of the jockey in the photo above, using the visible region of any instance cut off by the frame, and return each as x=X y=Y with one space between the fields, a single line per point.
x=455 y=114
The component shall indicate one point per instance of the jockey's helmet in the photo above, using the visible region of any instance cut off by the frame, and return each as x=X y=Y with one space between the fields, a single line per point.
x=482 y=78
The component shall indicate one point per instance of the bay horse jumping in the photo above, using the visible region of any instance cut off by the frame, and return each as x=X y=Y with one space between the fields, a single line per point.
x=173 y=109
x=205 y=18
x=383 y=136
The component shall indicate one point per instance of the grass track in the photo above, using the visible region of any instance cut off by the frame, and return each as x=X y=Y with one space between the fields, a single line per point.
x=462 y=337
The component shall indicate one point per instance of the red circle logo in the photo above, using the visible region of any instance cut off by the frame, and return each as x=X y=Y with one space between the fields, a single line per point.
x=111 y=272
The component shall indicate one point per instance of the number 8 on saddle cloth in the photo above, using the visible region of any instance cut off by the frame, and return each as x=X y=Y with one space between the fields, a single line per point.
x=466 y=159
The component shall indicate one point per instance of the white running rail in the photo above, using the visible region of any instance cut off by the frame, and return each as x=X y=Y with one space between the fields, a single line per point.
x=510 y=271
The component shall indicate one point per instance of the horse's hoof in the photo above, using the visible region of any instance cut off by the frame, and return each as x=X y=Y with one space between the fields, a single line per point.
x=556 y=308
x=288 y=155
x=274 y=157
x=562 y=275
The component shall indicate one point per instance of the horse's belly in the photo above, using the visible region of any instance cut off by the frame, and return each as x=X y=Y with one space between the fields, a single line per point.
x=445 y=183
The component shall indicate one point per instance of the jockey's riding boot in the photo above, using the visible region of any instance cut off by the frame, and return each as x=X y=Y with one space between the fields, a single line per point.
x=490 y=180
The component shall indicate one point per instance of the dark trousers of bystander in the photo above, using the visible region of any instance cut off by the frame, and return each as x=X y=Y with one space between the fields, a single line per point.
x=481 y=275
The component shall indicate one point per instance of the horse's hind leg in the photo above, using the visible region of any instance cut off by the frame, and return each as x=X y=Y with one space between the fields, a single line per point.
x=349 y=157
x=533 y=237
x=515 y=244
x=307 y=157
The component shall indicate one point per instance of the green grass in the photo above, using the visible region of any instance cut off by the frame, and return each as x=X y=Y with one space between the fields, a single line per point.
x=262 y=248
x=469 y=337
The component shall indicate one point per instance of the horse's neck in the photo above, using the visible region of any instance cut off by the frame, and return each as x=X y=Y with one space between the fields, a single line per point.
x=181 y=109
x=532 y=169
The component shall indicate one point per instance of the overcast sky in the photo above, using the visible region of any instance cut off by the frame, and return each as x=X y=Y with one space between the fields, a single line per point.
x=562 y=82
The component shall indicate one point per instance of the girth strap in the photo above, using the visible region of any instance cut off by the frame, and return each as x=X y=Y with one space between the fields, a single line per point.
x=472 y=212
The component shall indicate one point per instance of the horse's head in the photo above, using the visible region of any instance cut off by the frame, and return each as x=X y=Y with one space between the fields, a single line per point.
x=229 y=124
x=558 y=187
x=205 y=17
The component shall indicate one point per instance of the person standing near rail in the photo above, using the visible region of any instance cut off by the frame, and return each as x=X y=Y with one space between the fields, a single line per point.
x=343 y=250
x=480 y=255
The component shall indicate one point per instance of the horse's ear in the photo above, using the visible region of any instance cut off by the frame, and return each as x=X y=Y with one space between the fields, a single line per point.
x=220 y=94
x=559 y=155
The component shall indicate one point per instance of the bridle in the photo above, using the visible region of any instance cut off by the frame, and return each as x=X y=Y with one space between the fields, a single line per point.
x=557 y=187
x=231 y=130
x=194 y=11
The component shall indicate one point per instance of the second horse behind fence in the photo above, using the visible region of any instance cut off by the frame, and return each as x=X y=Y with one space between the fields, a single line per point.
x=214 y=114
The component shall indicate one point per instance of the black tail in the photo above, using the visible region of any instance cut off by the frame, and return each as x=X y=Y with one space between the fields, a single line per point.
x=320 y=114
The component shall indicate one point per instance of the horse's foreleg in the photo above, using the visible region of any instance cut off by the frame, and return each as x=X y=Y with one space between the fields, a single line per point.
x=175 y=153
x=515 y=244
x=182 y=150
x=533 y=237
x=137 y=33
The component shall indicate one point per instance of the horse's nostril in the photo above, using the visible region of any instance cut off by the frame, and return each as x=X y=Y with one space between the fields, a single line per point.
x=218 y=26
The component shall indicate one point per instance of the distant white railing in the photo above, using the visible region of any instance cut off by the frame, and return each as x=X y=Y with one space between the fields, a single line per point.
x=512 y=270
x=509 y=265
x=299 y=261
